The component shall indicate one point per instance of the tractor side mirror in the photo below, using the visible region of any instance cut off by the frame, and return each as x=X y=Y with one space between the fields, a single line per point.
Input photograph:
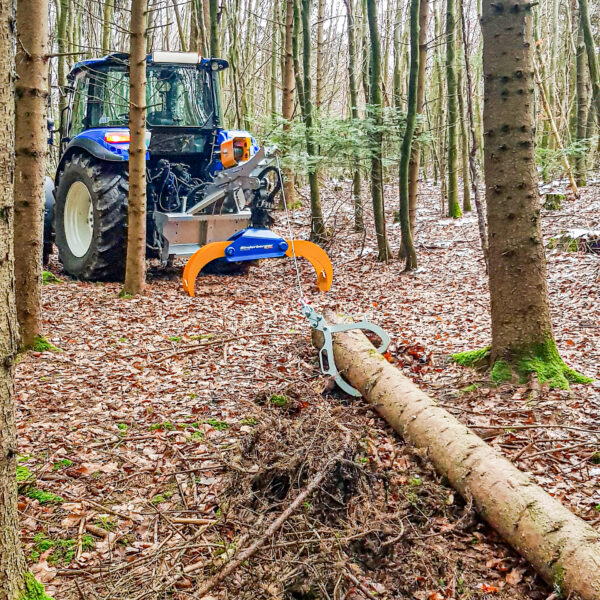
x=51 y=131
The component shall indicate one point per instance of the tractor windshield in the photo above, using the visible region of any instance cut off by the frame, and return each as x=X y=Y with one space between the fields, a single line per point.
x=176 y=95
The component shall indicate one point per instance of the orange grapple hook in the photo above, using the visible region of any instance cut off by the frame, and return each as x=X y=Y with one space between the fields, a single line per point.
x=314 y=254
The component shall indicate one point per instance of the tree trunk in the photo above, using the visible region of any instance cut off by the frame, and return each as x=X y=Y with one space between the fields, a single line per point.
x=415 y=156
x=320 y=60
x=273 y=82
x=106 y=25
x=521 y=329
x=581 y=134
x=384 y=252
x=213 y=6
x=453 y=205
x=590 y=47
x=464 y=143
x=356 y=179
x=473 y=165
x=12 y=561
x=62 y=43
x=408 y=249
x=31 y=145
x=135 y=269
x=287 y=98
x=317 y=227
x=563 y=548
x=180 y=29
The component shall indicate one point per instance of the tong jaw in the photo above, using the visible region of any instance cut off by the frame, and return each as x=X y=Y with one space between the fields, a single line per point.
x=318 y=322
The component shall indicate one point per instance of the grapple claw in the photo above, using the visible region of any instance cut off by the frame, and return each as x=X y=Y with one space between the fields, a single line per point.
x=318 y=259
x=198 y=261
x=253 y=244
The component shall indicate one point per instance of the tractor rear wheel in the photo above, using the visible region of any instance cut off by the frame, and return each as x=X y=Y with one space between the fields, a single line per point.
x=90 y=218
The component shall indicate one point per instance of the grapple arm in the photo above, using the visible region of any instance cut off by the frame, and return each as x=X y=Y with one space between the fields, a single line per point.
x=256 y=244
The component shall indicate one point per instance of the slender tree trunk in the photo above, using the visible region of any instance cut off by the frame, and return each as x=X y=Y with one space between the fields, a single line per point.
x=317 y=227
x=398 y=53
x=135 y=269
x=63 y=45
x=320 y=60
x=453 y=205
x=12 y=561
x=555 y=134
x=31 y=146
x=180 y=29
x=581 y=134
x=287 y=97
x=273 y=82
x=356 y=179
x=365 y=58
x=384 y=252
x=214 y=27
x=106 y=25
x=296 y=55
x=408 y=249
x=473 y=164
x=415 y=156
x=521 y=328
x=590 y=47
x=464 y=143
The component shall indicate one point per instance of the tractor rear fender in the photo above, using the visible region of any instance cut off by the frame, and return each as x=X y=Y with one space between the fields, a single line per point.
x=85 y=145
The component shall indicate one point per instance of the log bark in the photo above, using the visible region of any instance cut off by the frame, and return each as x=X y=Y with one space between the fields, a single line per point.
x=562 y=547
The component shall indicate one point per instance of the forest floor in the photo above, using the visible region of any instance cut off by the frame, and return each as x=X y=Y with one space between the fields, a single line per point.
x=165 y=408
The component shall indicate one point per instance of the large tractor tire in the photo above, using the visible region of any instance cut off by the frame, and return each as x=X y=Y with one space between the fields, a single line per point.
x=90 y=218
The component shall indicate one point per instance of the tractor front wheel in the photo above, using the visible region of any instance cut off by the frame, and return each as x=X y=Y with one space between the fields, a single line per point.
x=90 y=219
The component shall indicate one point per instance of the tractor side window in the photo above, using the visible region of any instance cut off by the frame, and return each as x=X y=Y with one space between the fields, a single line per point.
x=116 y=99
x=80 y=106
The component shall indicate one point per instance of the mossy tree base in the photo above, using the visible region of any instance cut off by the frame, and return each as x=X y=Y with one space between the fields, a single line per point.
x=34 y=590
x=542 y=359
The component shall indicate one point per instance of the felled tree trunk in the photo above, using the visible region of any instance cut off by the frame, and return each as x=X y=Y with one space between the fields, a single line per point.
x=563 y=548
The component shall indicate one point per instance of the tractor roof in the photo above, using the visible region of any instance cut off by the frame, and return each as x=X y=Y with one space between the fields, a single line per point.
x=157 y=57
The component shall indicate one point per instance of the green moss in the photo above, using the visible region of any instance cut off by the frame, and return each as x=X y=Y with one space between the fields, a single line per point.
x=167 y=426
x=541 y=359
x=23 y=474
x=250 y=421
x=62 y=464
x=48 y=278
x=455 y=211
x=476 y=359
x=125 y=296
x=545 y=361
x=43 y=497
x=34 y=590
x=279 y=400
x=175 y=338
x=554 y=201
x=41 y=344
x=559 y=581
x=216 y=424
x=501 y=372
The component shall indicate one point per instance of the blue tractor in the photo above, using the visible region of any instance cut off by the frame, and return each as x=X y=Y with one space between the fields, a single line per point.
x=204 y=183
